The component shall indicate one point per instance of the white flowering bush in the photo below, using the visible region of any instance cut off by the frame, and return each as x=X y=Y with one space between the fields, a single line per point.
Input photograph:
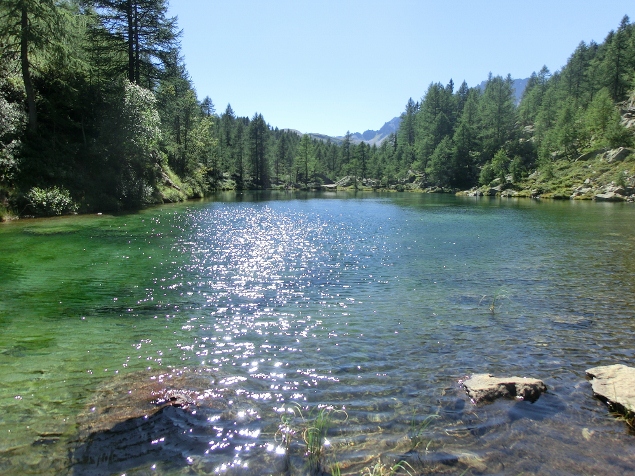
x=50 y=201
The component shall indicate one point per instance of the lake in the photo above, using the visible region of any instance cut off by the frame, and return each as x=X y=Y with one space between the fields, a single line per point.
x=268 y=309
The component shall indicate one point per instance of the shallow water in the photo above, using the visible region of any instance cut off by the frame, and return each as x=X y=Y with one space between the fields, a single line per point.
x=373 y=306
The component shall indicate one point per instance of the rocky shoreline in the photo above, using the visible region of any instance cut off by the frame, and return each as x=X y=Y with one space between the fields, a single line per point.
x=125 y=421
x=603 y=175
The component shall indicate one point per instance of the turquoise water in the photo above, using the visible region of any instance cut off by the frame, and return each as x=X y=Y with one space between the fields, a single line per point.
x=271 y=304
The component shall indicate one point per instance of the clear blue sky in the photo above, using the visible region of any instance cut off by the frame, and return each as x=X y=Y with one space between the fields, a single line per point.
x=330 y=66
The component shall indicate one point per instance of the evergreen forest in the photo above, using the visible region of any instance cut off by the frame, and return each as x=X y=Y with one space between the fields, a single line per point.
x=98 y=113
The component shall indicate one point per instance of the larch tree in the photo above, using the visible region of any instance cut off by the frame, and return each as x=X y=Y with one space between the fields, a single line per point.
x=149 y=35
x=31 y=30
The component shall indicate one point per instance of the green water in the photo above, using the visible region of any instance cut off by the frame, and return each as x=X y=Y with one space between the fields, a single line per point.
x=374 y=304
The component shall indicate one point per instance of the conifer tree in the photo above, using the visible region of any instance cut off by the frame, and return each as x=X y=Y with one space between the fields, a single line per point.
x=149 y=35
x=28 y=27
x=258 y=142
x=497 y=114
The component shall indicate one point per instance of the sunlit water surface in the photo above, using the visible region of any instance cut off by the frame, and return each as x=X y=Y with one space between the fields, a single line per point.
x=372 y=307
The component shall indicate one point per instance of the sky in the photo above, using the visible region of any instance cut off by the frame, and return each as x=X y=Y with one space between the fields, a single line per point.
x=332 y=66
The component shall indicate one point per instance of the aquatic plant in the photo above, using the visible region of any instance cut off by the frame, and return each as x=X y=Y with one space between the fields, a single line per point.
x=621 y=412
x=287 y=430
x=314 y=436
x=495 y=298
x=313 y=427
x=626 y=416
x=417 y=429
x=382 y=470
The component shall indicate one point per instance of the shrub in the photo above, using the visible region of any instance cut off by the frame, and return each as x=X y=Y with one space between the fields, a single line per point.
x=488 y=174
x=50 y=201
x=516 y=169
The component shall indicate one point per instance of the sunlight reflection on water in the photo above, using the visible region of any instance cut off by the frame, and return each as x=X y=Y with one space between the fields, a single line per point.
x=376 y=307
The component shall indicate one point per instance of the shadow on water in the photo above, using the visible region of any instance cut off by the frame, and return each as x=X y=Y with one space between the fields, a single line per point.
x=170 y=440
x=547 y=406
x=144 y=441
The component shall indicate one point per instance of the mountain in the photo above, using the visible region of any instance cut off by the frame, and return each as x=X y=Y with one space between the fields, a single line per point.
x=374 y=137
x=519 y=86
x=370 y=137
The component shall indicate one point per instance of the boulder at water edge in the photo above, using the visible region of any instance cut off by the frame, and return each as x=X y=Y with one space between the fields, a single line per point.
x=486 y=388
x=614 y=384
x=608 y=197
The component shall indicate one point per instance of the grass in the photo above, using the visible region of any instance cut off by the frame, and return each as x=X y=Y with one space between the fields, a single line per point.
x=565 y=176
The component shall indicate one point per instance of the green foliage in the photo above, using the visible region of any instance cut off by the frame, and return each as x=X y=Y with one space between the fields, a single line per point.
x=441 y=166
x=95 y=99
x=12 y=122
x=149 y=36
x=547 y=169
x=516 y=169
x=497 y=114
x=487 y=175
x=130 y=144
x=304 y=160
x=500 y=165
x=50 y=201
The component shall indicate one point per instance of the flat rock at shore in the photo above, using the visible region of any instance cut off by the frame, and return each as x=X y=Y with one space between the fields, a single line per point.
x=614 y=384
x=487 y=388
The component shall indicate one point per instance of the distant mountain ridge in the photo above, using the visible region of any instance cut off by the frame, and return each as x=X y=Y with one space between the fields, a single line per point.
x=377 y=137
x=370 y=137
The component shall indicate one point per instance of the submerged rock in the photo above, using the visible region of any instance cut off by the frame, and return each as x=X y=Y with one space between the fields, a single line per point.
x=143 y=422
x=614 y=384
x=485 y=387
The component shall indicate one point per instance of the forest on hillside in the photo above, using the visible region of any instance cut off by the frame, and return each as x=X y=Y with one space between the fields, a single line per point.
x=98 y=113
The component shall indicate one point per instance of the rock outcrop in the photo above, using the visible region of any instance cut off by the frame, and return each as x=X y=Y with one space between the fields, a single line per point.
x=614 y=384
x=609 y=197
x=487 y=388
x=616 y=155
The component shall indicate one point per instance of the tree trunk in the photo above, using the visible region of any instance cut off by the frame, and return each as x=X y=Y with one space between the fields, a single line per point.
x=131 y=41
x=137 y=61
x=26 y=73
